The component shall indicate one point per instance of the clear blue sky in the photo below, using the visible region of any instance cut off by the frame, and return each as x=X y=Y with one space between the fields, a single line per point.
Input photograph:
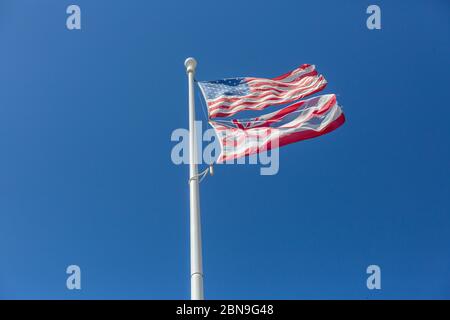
x=86 y=176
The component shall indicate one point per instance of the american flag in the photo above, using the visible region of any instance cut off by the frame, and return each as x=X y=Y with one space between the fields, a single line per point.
x=298 y=121
x=226 y=97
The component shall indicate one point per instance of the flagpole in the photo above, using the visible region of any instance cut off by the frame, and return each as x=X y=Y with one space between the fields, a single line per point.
x=195 y=225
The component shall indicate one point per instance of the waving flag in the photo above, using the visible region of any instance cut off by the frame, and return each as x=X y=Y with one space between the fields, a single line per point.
x=226 y=97
x=298 y=121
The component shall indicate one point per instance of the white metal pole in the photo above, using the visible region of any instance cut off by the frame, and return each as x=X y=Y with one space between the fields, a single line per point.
x=195 y=224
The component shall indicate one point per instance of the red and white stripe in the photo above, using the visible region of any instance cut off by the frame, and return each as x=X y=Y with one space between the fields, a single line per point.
x=292 y=86
x=299 y=121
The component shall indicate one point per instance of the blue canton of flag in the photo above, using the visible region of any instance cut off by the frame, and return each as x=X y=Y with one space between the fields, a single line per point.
x=226 y=87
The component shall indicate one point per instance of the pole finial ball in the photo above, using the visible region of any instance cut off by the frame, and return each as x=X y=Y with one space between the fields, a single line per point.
x=190 y=64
